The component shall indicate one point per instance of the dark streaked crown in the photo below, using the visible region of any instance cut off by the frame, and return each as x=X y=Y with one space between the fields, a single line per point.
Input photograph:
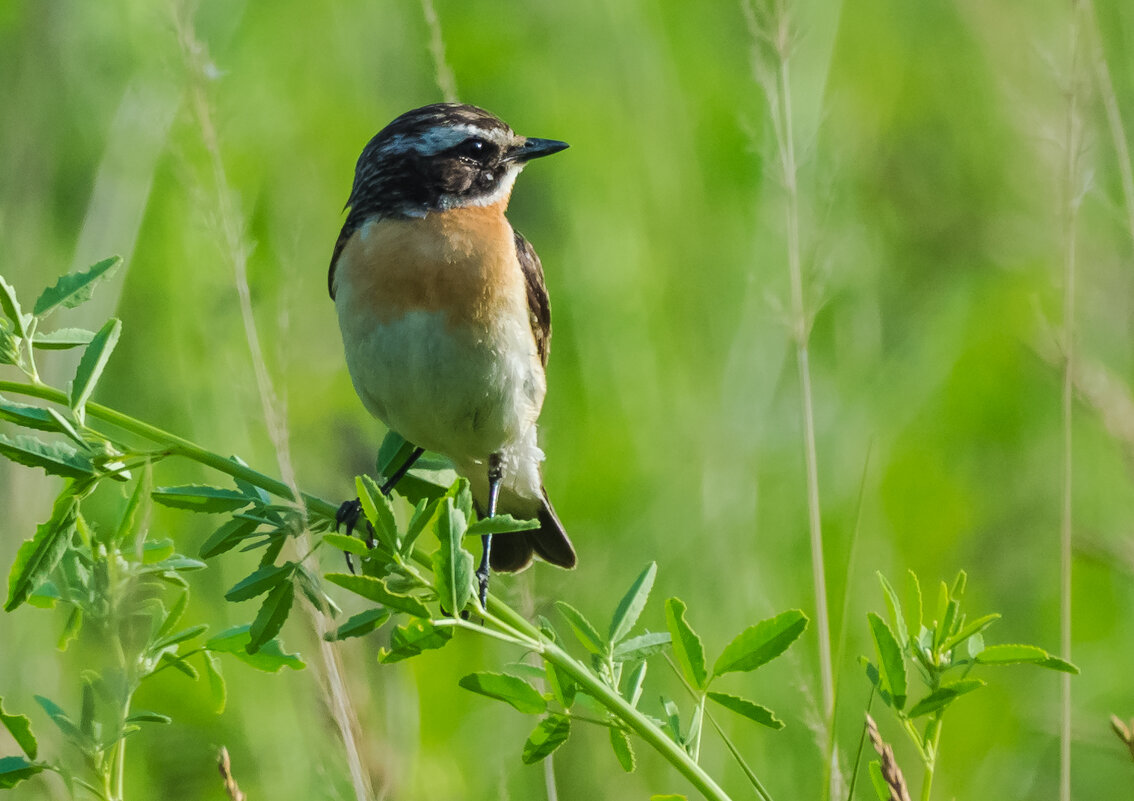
x=439 y=157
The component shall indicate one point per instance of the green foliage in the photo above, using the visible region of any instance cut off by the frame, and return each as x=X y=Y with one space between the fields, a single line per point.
x=940 y=652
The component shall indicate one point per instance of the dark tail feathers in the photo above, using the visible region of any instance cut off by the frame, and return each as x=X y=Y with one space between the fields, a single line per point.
x=513 y=552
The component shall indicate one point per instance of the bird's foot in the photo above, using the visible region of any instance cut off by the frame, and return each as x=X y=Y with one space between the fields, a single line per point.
x=349 y=513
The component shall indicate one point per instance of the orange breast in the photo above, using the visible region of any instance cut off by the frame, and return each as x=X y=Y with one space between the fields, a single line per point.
x=461 y=261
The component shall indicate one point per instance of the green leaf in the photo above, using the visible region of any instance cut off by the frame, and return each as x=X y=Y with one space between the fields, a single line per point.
x=881 y=786
x=913 y=604
x=749 y=709
x=634 y=682
x=551 y=733
x=582 y=627
x=230 y=534
x=38 y=556
x=55 y=458
x=71 y=628
x=312 y=590
x=19 y=726
x=452 y=564
x=891 y=663
x=260 y=581
x=62 y=721
x=500 y=524
x=341 y=542
x=687 y=646
x=642 y=646
x=392 y=454
x=143 y=716
x=376 y=590
x=417 y=635
x=178 y=663
x=218 y=693
x=92 y=364
x=894 y=607
x=359 y=625
x=424 y=514
x=15 y=769
x=623 y=751
x=1055 y=663
x=270 y=658
x=1012 y=655
x=181 y=636
x=201 y=498
x=63 y=339
x=943 y=696
x=136 y=514
x=379 y=511
x=760 y=644
x=273 y=612
x=75 y=288
x=632 y=604
x=11 y=307
x=975 y=627
x=562 y=686
x=510 y=689
x=668 y=797
x=23 y=414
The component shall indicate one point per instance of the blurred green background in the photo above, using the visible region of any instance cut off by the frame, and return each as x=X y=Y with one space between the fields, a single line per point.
x=931 y=140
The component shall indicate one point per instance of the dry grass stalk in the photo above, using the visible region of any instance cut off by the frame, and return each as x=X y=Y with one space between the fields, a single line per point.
x=230 y=785
x=890 y=770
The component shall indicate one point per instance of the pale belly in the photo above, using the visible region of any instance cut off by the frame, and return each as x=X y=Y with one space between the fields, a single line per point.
x=462 y=394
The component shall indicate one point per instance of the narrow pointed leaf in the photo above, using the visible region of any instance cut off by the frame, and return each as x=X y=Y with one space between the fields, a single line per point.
x=201 y=498
x=878 y=781
x=272 y=615
x=510 y=689
x=913 y=604
x=75 y=288
x=757 y=645
x=452 y=564
x=424 y=516
x=623 y=751
x=943 y=696
x=894 y=607
x=1055 y=663
x=341 y=542
x=360 y=625
x=968 y=630
x=149 y=717
x=38 y=556
x=218 y=692
x=582 y=627
x=632 y=604
x=891 y=663
x=270 y=658
x=63 y=339
x=230 y=534
x=15 y=769
x=1012 y=655
x=26 y=415
x=687 y=646
x=500 y=524
x=642 y=646
x=749 y=709
x=379 y=511
x=416 y=636
x=92 y=364
x=62 y=721
x=375 y=590
x=260 y=581
x=10 y=304
x=56 y=458
x=551 y=733
x=19 y=726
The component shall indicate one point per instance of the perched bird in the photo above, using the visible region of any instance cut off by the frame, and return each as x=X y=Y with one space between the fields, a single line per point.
x=444 y=313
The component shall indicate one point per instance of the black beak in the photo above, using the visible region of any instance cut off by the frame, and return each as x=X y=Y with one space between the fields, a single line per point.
x=535 y=148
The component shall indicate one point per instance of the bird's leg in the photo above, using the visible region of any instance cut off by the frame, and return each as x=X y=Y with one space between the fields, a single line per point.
x=495 y=473
x=350 y=511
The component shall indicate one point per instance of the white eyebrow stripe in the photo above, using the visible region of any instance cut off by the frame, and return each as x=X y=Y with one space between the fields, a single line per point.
x=440 y=138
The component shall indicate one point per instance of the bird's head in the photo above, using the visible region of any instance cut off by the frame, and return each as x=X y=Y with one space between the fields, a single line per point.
x=439 y=157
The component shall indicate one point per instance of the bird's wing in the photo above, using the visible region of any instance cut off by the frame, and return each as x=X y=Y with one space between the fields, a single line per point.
x=349 y=227
x=539 y=305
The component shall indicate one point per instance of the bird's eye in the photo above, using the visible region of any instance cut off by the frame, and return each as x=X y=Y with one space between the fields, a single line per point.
x=474 y=148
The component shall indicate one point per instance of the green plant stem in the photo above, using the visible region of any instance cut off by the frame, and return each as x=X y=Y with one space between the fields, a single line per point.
x=499 y=613
x=930 y=757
